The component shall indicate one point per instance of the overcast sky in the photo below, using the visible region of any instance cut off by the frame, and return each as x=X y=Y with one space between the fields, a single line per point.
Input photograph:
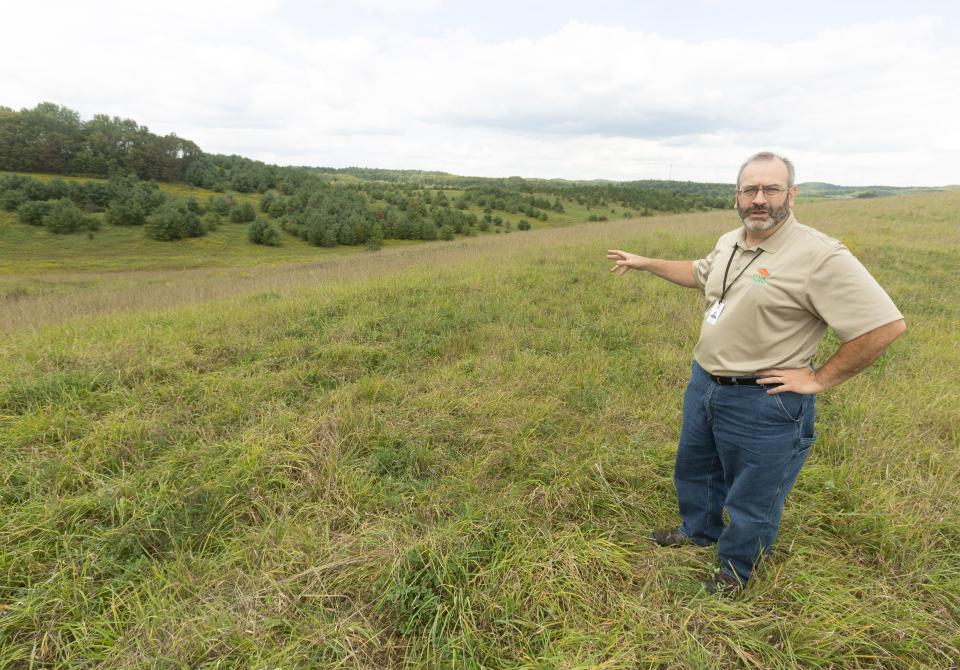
x=855 y=92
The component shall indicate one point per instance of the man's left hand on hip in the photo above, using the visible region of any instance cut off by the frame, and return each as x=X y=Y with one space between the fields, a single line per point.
x=797 y=380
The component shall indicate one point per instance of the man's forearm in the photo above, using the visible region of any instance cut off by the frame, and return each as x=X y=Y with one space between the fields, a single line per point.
x=858 y=354
x=678 y=272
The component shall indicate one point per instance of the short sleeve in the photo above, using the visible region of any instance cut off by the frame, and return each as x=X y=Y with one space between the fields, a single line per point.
x=846 y=296
x=701 y=267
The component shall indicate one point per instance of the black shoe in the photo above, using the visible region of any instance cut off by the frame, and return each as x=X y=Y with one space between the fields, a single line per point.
x=724 y=584
x=670 y=537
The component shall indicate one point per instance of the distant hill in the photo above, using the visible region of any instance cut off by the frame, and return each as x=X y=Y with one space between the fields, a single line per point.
x=824 y=190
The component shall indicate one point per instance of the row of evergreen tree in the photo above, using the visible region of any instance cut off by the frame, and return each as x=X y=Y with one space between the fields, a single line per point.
x=327 y=214
x=123 y=200
x=319 y=212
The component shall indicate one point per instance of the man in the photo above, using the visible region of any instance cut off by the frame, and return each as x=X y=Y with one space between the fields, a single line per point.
x=771 y=287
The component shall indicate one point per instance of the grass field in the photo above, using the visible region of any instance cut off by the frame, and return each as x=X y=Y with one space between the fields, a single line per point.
x=450 y=455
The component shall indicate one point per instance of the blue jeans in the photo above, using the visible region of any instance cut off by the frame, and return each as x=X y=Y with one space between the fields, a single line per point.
x=742 y=449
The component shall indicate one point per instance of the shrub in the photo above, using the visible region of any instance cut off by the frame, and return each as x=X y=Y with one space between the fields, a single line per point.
x=194 y=206
x=55 y=188
x=243 y=213
x=263 y=232
x=173 y=221
x=126 y=213
x=278 y=208
x=266 y=201
x=220 y=204
x=12 y=199
x=211 y=221
x=33 y=212
x=523 y=225
x=65 y=217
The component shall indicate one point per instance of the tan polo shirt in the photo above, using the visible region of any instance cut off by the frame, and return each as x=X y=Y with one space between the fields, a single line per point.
x=795 y=284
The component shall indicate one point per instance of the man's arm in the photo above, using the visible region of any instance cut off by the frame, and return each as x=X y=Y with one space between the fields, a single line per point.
x=678 y=272
x=849 y=359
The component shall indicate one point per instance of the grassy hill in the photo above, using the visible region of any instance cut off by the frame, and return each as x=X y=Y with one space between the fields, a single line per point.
x=452 y=458
x=33 y=250
x=818 y=189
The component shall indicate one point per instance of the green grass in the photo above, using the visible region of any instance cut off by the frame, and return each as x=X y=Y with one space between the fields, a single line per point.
x=33 y=250
x=28 y=251
x=450 y=455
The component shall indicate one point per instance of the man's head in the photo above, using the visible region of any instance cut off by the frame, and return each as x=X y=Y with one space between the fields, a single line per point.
x=765 y=191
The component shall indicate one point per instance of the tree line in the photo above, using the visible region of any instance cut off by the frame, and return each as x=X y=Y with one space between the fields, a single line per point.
x=52 y=138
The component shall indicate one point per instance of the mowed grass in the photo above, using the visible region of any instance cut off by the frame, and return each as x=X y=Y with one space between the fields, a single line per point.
x=453 y=459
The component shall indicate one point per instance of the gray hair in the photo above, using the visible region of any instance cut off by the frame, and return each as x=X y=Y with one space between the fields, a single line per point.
x=769 y=156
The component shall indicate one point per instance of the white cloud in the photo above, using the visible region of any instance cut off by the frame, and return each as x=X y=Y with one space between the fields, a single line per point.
x=868 y=103
x=397 y=6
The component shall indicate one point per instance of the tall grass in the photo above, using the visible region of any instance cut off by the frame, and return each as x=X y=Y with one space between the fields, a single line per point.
x=451 y=457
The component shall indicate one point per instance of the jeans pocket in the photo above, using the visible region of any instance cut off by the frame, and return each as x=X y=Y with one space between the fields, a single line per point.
x=790 y=405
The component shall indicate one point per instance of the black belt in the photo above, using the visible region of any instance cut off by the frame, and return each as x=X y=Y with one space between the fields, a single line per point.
x=739 y=381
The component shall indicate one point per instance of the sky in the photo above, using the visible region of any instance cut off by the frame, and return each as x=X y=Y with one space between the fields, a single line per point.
x=855 y=93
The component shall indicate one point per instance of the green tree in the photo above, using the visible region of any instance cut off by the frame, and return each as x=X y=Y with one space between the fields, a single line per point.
x=126 y=212
x=33 y=212
x=266 y=200
x=428 y=231
x=221 y=204
x=263 y=232
x=375 y=239
x=194 y=206
x=243 y=213
x=173 y=221
x=65 y=217
x=203 y=172
x=278 y=208
x=328 y=236
x=211 y=221
x=12 y=199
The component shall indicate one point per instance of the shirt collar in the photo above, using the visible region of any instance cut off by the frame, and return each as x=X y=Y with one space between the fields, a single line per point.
x=773 y=243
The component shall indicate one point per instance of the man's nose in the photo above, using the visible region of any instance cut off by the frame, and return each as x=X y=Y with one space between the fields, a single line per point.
x=759 y=197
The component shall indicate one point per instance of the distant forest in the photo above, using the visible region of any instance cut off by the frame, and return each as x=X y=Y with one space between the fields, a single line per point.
x=50 y=138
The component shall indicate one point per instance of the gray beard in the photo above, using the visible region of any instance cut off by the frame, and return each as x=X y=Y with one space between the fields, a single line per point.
x=776 y=217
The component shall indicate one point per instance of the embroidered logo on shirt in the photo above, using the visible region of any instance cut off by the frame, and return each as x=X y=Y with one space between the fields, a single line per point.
x=760 y=276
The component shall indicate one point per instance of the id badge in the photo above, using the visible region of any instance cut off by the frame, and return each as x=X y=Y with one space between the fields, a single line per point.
x=714 y=312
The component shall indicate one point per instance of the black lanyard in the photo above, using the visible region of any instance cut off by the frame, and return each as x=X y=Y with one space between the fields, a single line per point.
x=729 y=262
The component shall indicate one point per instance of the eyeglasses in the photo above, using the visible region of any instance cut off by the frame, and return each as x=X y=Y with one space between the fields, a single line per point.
x=770 y=192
